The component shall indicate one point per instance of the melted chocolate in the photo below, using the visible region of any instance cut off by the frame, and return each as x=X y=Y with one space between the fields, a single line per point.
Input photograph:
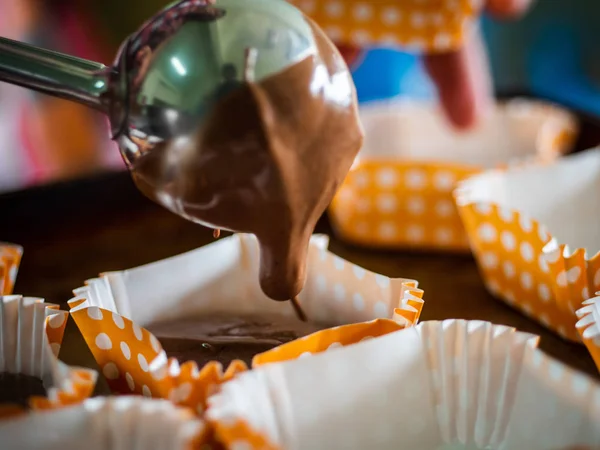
x=226 y=338
x=18 y=388
x=268 y=161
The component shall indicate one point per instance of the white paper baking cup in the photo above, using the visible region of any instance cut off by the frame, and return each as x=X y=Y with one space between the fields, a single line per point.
x=399 y=191
x=222 y=277
x=534 y=234
x=589 y=327
x=123 y=423
x=440 y=385
x=30 y=335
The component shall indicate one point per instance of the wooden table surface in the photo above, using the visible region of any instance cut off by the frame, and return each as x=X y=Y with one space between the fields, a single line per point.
x=73 y=231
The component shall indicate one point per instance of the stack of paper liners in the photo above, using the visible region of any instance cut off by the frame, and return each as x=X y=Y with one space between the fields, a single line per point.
x=123 y=423
x=10 y=258
x=452 y=384
x=31 y=332
x=430 y=26
x=221 y=278
x=589 y=327
x=399 y=191
x=524 y=223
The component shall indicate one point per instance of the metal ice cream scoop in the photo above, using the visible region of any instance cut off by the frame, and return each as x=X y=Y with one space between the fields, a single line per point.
x=170 y=73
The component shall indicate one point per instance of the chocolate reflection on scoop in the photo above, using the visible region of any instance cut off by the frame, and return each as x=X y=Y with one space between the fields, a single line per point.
x=268 y=161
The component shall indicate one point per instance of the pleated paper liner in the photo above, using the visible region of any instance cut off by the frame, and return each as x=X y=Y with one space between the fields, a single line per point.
x=399 y=191
x=106 y=423
x=219 y=278
x=589 y=326
x=31 y=332
x=523 y=224
x=429 y=25
x=10 y=258
x=451 y=384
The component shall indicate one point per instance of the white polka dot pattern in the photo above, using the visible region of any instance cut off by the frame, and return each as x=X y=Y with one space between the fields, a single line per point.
x=529 y=273
x=421 y=25
x=132 y=359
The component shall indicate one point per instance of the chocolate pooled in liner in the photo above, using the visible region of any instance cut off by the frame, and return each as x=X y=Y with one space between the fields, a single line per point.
x=268 y=161
x=225 y=338
x=16 y=389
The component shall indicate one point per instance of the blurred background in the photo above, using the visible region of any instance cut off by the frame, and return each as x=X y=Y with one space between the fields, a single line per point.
x=549 y=53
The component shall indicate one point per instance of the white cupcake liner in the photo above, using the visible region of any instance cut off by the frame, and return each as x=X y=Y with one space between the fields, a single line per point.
x=30 y=335
x=219 y=278
x=589 y=327
x=399 y=191
x=123 y=423
x=437 y=385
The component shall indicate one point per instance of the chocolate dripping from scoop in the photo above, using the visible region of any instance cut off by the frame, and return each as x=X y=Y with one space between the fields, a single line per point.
x=250 y=60
x=263 y=157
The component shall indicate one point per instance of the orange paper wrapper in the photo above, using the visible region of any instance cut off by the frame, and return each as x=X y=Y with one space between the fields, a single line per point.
x=523 y=224
x=123 y=423
x=112 y=310
x=420 y=25
x=31 y=332
x=399 y=191
x=589 y=326
x=439 y=385
x=10 y=258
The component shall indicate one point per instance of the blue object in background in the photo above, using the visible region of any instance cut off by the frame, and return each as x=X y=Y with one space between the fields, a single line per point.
x=385 y=74
x=549 y=53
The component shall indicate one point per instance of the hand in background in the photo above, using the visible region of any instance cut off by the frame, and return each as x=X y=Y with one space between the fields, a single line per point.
x=462 y=77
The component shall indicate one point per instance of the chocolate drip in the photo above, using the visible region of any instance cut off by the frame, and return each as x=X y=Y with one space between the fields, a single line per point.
x=267 y=161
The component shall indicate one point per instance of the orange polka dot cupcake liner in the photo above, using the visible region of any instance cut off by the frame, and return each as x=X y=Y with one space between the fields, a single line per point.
x=10 y=258
x=31 y=333
x=398 y=193
x=588 y=326
x=418 y=25
x=450 y=384
x=534 y=238
x=107 y=422
x=112 y=311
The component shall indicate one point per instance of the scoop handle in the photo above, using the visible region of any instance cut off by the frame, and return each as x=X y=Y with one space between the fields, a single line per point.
x=54 y=73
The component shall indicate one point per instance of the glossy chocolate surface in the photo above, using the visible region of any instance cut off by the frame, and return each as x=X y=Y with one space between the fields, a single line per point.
x=225 y=338
x=16 y=389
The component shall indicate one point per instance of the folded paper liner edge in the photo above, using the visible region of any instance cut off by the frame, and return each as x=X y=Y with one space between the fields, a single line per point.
x=133 y=361
x=233 y=428
x=519 y=259
x=588 y=326
x=124 y=422
x=31 y=319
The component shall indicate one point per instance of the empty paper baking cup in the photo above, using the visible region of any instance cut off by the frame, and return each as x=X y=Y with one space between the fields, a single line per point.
x=535 y=236
x=589 y=326
x=125 y=423
x=439 y=385
x=112 y=310
x=31 y=332
x=416 y=25
x=399 y=191
x=10 y=257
